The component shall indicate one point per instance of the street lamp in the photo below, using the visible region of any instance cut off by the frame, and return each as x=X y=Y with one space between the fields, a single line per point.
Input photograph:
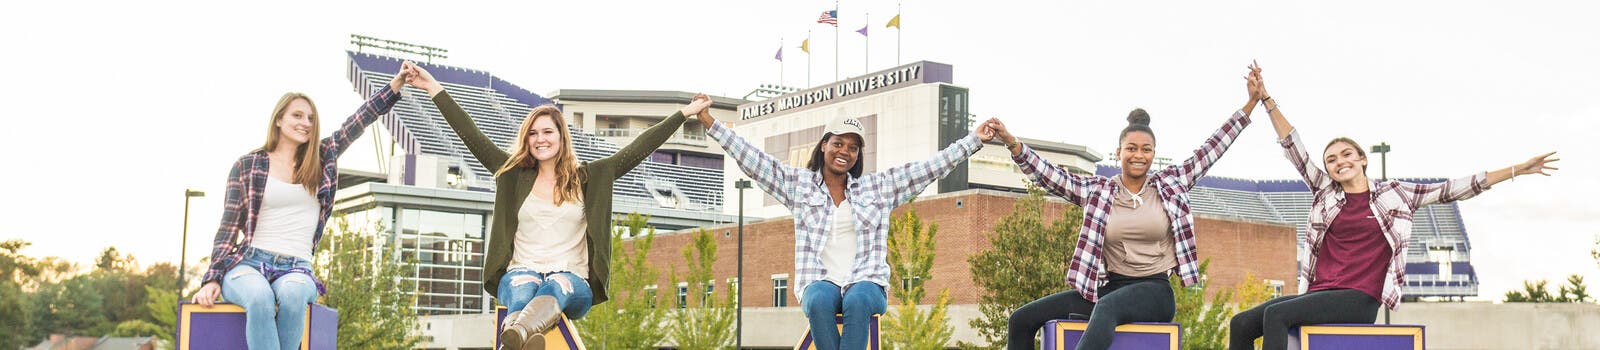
x=183 y=249
x=738 y=305
x=1382 y=149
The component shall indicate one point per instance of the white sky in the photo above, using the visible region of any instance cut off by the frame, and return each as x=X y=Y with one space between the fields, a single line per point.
x=113 y=108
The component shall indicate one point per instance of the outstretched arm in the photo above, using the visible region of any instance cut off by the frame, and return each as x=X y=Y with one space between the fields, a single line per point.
x=907 y=180
x=487 y=153
x=1293 y=148
x=629 y=157
x=1467 y=187
x=1074 y=188
x=770 y=174
x=378 y=104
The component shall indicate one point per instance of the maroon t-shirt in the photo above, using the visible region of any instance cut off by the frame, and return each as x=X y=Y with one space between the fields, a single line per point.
x=1354 y=254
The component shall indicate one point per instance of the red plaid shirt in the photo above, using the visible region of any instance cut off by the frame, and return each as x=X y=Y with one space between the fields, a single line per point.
x=247 y=181
x=1094 y=193
x=1393 y=202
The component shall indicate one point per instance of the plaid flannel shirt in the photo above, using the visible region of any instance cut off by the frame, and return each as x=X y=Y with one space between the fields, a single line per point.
x=1393 y=202
x=247 y=182
x=1094 y=193
x=872 y=197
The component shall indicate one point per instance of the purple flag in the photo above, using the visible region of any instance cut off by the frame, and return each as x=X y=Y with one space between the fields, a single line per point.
x=779 y=57
x=863 y=30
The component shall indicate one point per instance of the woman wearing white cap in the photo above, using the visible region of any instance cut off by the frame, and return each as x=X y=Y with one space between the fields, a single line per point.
x=841 y=219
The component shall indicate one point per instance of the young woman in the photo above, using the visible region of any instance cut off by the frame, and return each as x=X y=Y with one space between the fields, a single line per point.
x=1137 y=228
x=1358 y=232
x=550 y=244
x=278 y=198
x=841 y=219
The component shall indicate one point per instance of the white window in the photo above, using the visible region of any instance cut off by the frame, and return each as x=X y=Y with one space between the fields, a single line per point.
x=780 y=290
x=683 y=295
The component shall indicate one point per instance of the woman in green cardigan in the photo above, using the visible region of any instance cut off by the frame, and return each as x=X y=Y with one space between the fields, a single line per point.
x=550 y=243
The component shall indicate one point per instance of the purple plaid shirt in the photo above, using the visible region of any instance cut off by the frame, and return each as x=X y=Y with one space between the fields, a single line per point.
x=1393 y=202
x=1094 y=194
x=872 y=197
x=247 y=182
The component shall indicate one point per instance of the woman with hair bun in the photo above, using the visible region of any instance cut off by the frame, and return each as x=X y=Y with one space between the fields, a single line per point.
x=1137 y=230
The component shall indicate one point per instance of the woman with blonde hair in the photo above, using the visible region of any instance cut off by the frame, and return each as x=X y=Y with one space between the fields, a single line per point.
x=550 y=243
x=278 y=199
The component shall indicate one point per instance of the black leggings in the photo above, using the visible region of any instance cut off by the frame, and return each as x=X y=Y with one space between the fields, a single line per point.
x=1271 y=320
x=1123 y=300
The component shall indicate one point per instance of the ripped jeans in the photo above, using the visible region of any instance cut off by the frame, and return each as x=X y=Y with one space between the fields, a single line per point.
x=274 y=299
x=520 y=285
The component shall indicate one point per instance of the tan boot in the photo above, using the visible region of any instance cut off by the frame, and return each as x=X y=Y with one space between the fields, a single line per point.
x=526 y=332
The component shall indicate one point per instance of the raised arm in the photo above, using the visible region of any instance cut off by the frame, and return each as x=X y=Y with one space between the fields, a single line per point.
x=378 y=104
x=772 y=176
x=1467 y=187
x=629 y=157
x=487 y=153
x=1192 y=169
x=907 y=180
x=1074 y=188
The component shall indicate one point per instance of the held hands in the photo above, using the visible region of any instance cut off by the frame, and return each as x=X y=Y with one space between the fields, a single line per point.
x=1254 y=83
x=207 y=294
x=984 y=132
x=996 y=130
x=696 y=106
x=420 y=78
x=400 y=78
x=1535 y=165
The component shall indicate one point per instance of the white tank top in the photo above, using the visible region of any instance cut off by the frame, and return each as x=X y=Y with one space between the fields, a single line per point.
x=287 y=220
x=551 y=238
x=839 y=254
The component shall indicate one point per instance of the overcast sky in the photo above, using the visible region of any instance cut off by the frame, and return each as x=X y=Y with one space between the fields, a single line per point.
x=113 y=108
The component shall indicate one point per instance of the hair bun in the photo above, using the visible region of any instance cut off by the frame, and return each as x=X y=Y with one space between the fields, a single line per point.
x=1139 y=117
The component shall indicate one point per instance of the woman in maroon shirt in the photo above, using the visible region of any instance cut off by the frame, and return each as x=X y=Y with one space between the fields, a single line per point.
x=1357 y=232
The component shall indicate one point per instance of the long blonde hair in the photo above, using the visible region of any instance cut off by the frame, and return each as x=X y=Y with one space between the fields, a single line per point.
x=566 y=167
x=308 y=158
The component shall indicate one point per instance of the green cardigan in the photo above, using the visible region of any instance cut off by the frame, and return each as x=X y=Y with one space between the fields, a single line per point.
x=512 y=187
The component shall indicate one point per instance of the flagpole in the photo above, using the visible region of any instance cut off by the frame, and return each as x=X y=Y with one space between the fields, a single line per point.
x=808 y=58
x=897 y=29
x=780 y=60
x=867 y=48
x=835 y=40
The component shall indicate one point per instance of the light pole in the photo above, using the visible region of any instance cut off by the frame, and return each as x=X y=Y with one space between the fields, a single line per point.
x=1382 y=149
x=738 y=304
x=183 y=248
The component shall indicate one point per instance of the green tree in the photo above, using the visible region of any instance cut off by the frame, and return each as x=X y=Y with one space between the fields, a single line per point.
x=911 y=253
x=1575 y=291
x=364 y=285
x=1250 y=292
x=162 y=305
x=1026 y=261
x=629 y=320
x=1532 y=292
x=16 y=319
x=1204 y=326
x=704 y=321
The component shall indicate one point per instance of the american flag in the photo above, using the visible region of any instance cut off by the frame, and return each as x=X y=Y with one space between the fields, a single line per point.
x=829 y=17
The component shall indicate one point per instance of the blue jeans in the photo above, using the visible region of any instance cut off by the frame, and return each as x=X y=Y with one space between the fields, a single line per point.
x=274 y=308
x=823 y=300
x=521 y=285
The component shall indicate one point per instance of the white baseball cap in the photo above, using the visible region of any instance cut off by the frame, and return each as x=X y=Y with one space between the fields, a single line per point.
x=846 y=125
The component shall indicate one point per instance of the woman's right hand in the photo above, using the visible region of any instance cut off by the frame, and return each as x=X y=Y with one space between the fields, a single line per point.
x=697 y=105
x=207 y=294
x=421 y=79
x=1002 y=134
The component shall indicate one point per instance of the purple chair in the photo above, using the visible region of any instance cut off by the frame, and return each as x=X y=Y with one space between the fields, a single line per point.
x=1064 y=334
x=221 y=326
x=1357 y=336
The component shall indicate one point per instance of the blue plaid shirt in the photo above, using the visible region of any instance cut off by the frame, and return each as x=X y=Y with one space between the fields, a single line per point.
x=872 y=197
